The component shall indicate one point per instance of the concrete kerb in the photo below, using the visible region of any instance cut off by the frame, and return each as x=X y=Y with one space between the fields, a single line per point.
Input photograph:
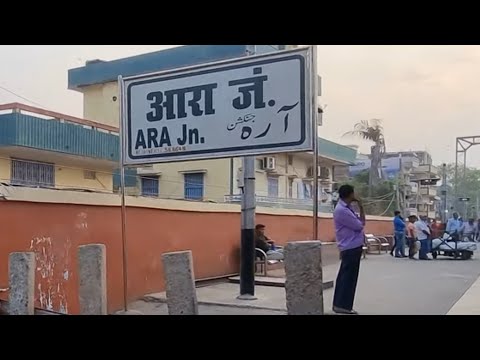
x=181 y=294
x=92 y=269
x=304 y=279
x=21 y=273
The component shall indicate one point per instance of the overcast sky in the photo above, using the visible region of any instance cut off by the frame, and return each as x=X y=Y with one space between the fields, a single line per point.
x=426 y=95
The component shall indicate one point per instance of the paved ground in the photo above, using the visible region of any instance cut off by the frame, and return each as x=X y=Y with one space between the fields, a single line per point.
x=387 y=286
x=469 y=303
x=402 y=286
x=155 y=308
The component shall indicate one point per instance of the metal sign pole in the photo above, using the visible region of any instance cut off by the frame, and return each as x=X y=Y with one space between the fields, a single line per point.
x=314 y=87
x=247 y=246
x=123 y=209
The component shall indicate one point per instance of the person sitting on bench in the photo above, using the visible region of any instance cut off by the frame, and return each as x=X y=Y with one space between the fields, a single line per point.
x=268 y=246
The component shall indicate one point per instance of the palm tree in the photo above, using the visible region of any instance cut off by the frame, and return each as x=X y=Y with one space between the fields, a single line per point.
x=372 y=130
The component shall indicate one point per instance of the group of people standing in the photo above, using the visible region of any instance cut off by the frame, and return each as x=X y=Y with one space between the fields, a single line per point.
x=460 y=230
x=416 y=233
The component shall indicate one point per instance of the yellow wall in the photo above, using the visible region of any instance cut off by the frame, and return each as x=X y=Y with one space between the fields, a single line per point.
x=98 y=104
x=297 y=171
x=67 y=178
x=5 y=170
x=74 y=178
x=216 y=178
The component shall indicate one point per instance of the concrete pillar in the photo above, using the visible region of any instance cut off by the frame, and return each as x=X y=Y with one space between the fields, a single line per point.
x=21 y=273
x=92 y=270
x=304 y=283
x=180 y=283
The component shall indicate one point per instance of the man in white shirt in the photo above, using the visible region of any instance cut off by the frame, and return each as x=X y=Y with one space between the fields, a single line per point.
x=423 y=235
x=454 y=227
x=469 y=229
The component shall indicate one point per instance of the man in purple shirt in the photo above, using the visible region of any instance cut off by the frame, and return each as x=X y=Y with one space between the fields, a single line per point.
x=350 y=239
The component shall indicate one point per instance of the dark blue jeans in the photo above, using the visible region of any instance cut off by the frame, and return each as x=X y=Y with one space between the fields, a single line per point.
x=424 y=249
x=346 y=284
x=400 y=243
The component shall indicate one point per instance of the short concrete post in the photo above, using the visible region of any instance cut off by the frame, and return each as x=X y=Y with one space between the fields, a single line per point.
x=21 y=273
x=92 y=270
x=180 y=283
x=304 y=283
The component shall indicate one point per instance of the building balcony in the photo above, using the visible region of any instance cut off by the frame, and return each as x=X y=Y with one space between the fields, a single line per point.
x=286 y=203
x=428 y=171
x=412 y=187
x=337 y=153
x=429 y=214
x=26 y=130
x=428 y=191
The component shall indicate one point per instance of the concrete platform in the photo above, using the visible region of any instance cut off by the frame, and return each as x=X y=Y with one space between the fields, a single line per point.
x=274 y=281
x=225 y=294
x=387 y=286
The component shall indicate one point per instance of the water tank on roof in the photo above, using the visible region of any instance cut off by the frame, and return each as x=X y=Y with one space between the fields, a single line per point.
x=94 y=61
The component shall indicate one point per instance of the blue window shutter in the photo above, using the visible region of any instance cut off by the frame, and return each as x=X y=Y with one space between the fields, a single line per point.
x=150 y=186
x=194 y=186
x=272 y=186
x=29 y=173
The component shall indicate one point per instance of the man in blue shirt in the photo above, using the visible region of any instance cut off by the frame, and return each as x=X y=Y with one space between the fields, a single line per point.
x=454 y=226
x=399 y=226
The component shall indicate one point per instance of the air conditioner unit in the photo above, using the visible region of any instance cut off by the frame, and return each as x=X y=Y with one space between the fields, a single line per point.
x=324 y=173
x=269 y=163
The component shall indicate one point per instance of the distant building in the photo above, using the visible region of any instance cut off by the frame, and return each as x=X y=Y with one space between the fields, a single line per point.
x=417 y=178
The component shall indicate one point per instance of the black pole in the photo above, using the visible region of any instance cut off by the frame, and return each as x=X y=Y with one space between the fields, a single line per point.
x=247 y=266
x=247 y=250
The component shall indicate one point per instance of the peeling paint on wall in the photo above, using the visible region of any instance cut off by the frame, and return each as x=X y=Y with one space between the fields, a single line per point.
x=81 y=221
x=52 y=273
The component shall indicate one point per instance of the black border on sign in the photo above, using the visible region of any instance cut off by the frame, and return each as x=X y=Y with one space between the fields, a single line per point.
x=226 y=151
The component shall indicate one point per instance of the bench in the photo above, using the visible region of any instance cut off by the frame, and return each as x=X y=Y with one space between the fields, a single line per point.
x=261 y=261
x=377 y=243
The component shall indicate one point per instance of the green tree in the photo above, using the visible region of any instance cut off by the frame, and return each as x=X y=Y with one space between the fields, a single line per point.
x=371 y=130
x=378 y=199
x=468 y=186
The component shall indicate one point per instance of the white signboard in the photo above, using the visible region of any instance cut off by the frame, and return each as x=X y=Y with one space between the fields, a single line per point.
x=247 y=106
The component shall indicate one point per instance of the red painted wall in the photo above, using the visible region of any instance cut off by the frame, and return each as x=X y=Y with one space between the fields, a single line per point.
x=54 y=232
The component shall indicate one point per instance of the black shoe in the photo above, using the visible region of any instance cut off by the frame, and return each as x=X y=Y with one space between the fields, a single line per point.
x=338 y=310
x=424 y=258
